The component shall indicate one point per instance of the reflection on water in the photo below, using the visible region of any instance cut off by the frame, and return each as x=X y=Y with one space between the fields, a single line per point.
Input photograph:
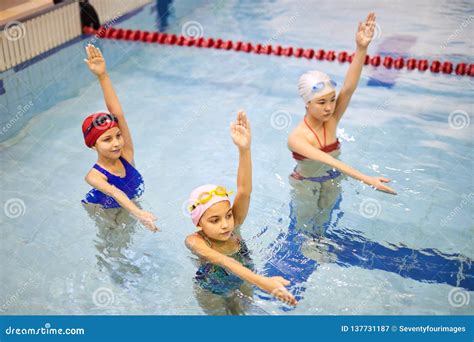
x=236 y=302
x=314 y=237
x=115 y=230
x=315 y=190
x=163 y=11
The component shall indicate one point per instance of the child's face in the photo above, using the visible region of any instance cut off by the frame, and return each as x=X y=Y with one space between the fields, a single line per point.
x=218 y=222
x=110 y=143
x=322 y=107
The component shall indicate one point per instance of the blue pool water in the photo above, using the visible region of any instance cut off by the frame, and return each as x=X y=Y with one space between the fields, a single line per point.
x=376 y=254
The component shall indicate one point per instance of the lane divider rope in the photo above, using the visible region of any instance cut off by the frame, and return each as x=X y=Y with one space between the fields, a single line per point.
x=388 y=62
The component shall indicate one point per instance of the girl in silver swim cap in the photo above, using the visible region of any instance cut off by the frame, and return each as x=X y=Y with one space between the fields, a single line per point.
x=314 y=139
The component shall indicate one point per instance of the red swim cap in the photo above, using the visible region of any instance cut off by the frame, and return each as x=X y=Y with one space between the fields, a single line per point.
x=97 y=124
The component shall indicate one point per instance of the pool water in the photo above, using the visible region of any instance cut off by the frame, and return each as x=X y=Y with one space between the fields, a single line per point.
x=379 y=254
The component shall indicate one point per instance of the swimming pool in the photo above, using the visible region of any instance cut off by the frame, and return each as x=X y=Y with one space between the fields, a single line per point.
x=379 y=251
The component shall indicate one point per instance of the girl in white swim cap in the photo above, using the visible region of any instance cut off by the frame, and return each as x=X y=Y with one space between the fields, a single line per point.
x=315 y=137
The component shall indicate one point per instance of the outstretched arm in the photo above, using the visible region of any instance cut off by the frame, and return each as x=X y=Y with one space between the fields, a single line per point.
x=364 y=35
x=241 y=135
x=96 y=63
x=98 y=181
x=303 y=147
x=273 y=285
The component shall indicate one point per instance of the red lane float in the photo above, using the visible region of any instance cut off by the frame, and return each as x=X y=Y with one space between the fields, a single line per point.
x=435 y=66
x=330 y=56
x=411 y=64
x=309 y=53
x=470 y=71
x=375 y=61
x=320 y=54
x=342 y=56
x=422 y=65
x=399 y=63
x=299 y=52
x=387 y=62
x=447 y=68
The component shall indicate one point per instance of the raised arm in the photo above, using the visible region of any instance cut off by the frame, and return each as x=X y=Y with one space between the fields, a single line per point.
x=273 y=285
x=98 y=181
x=299 y=145
x=96 y=63
x=364 y=35
x=241 y=135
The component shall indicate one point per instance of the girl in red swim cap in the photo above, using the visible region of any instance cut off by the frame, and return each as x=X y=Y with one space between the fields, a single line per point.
x=115 y=180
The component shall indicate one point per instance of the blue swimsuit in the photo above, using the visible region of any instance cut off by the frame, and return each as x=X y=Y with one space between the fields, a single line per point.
x=132 y=185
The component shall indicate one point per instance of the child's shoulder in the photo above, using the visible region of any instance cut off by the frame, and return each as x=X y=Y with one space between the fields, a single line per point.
x=93 y=175
x=298 y=131
x=193 y=239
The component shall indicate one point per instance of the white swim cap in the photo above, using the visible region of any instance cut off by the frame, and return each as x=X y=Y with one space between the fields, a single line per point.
x=309 y=85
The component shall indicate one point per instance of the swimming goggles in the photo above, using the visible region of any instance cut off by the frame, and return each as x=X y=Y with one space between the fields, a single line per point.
x=320 y=86
x=206 y=196
x=99 y=120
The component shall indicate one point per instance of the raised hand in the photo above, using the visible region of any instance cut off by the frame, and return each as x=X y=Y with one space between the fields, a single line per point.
x=240 y=131
x=365 y=31
x=95 y=61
